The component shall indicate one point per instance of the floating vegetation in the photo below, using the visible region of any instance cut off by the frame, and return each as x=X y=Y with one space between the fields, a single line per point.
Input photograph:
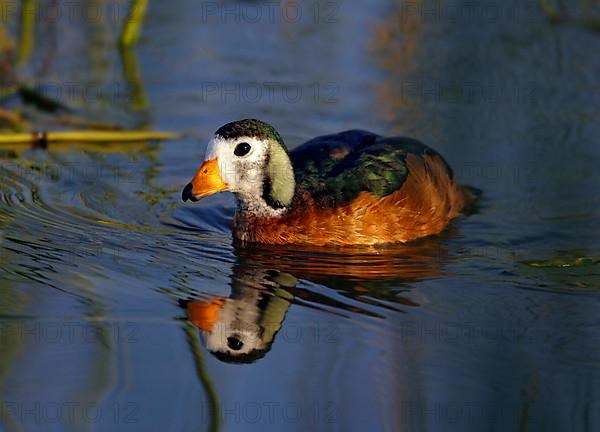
x=564 y=262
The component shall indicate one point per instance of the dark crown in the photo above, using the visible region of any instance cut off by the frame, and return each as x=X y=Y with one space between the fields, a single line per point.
x=251 y=128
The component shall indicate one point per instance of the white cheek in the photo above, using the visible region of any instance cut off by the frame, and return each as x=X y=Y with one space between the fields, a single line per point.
x=240 y=173
x=211 y=149
x=219 y=149
x=253 y=176
x=227 y=170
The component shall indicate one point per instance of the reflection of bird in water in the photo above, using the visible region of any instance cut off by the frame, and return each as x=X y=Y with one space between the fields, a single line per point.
x=242 y=327
x=350 y=188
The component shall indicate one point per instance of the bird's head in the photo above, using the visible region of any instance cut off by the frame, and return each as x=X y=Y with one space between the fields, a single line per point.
x=246 y=157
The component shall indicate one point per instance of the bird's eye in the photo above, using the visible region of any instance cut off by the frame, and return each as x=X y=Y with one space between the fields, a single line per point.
x=242 y=149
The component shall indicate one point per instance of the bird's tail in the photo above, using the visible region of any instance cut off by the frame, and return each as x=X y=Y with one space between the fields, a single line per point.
x=470 y=197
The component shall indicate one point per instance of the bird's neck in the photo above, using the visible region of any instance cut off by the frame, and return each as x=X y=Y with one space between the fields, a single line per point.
x=259 y=206
x=272 y=195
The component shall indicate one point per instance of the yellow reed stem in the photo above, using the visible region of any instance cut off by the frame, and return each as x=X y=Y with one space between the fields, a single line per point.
x=86 y=136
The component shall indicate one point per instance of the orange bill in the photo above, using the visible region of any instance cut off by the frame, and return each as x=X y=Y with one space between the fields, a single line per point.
x=204 y=314
x=207 y=181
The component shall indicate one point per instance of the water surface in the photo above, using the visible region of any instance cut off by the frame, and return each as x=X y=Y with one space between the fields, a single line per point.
x=109 y=282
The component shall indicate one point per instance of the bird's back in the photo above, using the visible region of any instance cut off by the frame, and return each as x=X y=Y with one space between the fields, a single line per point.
x=334 y=169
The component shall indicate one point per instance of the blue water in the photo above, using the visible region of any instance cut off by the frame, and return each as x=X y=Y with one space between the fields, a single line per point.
x=492 y=325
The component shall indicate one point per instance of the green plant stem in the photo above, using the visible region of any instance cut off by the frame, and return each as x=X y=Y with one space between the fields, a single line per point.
x=133 y=25
x=27 y=32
